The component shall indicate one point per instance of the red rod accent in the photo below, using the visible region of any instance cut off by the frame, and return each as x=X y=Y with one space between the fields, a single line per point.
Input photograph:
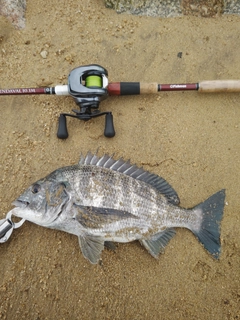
x=114 y=88
x=22 y=91
x=178 y=87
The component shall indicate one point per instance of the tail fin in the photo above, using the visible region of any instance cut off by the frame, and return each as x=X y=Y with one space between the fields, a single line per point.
x=209 y=233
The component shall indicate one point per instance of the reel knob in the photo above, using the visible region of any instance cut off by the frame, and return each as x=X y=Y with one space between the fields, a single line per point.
x=109 y=131
x=62 y=132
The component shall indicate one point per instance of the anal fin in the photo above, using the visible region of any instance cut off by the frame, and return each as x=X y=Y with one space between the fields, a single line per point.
x=158 y=242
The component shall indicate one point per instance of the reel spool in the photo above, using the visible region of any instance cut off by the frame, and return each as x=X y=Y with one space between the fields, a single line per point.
x=93 y=82
x=88 y=86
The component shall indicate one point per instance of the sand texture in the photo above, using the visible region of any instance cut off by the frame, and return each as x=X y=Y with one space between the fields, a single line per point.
x=189 y=138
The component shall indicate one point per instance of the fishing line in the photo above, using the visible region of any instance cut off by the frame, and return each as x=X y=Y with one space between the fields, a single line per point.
x=93 y=81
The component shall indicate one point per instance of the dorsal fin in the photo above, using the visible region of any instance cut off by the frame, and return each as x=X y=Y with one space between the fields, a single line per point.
x=133 y=171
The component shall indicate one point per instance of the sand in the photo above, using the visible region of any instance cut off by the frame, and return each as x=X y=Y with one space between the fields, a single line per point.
x=189 y=138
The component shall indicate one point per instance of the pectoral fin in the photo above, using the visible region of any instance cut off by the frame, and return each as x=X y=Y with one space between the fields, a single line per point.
x=91 y=247
x=158 y=242
x=95 y=217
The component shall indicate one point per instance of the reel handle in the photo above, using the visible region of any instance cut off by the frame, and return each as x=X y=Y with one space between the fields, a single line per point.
x=109 y=131
x=62 y=132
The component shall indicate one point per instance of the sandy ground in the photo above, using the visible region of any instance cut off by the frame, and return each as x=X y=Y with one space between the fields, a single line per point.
x=190 y=139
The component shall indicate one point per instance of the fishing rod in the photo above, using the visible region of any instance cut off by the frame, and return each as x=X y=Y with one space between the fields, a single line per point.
x=89 y=85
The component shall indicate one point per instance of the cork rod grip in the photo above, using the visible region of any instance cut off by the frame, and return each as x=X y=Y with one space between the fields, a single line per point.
x=148 y=87
x=219 y=86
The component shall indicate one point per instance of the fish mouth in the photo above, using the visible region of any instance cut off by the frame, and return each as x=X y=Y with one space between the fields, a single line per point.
x=46 y=219
x=20 y=203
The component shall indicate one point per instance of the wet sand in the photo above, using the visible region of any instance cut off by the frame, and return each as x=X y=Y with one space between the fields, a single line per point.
x=190 y=139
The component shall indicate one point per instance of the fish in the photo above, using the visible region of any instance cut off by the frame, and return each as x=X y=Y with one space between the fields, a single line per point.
x=103 y=200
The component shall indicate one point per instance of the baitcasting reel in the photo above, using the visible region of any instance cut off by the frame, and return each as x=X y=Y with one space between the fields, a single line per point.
x=88 y=86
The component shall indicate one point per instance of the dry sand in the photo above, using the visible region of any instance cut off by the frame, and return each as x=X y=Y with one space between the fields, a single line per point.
x=190 y=139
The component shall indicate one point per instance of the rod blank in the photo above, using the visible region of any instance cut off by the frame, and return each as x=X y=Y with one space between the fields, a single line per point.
x=21 y=91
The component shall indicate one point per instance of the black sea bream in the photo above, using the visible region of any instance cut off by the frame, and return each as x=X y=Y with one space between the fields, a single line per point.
x=102 y=200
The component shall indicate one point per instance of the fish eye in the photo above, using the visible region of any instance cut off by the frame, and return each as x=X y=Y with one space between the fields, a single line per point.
x=36 y=188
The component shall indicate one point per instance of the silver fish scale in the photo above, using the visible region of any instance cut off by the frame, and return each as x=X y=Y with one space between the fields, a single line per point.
x=100 y=187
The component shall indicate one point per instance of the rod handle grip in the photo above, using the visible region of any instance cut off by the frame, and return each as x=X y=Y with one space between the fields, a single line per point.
x=62 y=132
x=148 y=87
x=132 y=88
x=219 y=86
x=109 y=131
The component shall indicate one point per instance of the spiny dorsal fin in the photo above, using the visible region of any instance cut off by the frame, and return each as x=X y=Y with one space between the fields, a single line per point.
x=133 y=171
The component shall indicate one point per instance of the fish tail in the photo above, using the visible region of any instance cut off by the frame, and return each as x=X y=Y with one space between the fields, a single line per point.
x=209 y=232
